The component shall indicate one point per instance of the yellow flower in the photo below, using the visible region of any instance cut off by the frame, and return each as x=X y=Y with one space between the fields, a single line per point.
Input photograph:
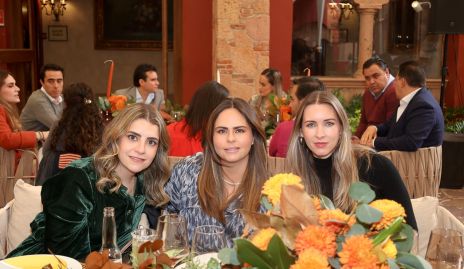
x=336 y=220
x=263 y=237
x=357 y=253
x=390 y=209
x=311 y=258
x=389 y=249
x=273 y=186
x=318 y=237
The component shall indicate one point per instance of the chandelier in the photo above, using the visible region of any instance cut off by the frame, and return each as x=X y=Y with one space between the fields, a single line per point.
x=54 y=7
x=345 y=9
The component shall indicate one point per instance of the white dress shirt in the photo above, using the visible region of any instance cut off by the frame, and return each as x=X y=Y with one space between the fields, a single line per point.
x=138 y=97
x=404 y=103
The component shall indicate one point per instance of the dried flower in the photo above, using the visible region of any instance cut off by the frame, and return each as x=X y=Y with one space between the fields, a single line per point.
x=318 y=237
x=273 y=187
x=311 y=258
x=391 y=210
x=336 y=220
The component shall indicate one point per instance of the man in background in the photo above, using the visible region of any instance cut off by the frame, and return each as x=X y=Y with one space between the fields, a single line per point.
x=379 y=101
x=417 y=123
x=145 y=89
x=44 y=106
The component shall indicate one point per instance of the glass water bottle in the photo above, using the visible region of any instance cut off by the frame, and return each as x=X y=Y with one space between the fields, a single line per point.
x=109 y=235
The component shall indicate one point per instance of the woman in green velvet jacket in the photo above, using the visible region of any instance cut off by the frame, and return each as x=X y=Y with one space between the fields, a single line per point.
x=127 y=171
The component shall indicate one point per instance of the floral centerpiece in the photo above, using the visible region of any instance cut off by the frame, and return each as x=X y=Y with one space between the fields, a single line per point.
x=113 y=104
x=303 y=231
x=277 y=110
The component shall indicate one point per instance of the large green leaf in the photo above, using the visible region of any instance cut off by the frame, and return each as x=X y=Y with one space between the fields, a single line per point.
x=228 y=256
x=335 y=263
x=326 y=202
x=279 y=253
x=392 y=264
x=367 y=214
x=249 y=253
x=394 y=228
x=265 y=202
x=361 y=192
x=412 y=261
x=405 y=238
x=356 y=229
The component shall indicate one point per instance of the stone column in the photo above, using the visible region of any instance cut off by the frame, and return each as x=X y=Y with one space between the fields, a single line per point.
x=240 y=43
x=367 y=10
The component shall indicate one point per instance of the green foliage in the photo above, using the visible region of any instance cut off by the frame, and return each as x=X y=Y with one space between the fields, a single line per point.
x=352 y=108
x=454 y=120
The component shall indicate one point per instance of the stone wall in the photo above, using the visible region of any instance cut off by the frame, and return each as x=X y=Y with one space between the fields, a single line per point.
x=241 y=43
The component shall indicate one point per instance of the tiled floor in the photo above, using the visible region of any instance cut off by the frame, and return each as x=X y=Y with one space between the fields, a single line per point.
x=453 y=200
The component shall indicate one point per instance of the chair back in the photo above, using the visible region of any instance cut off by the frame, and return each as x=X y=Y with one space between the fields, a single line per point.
x=420 y=170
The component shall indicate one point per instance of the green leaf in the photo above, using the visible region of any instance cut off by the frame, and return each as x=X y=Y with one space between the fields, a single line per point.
x=392 y=264
x=326 y=202
x=279 y=254
x=367 y=214
x=265 y=202
x=249 y=253
x=340 y=240
x=335 y=263
x=405 y=239
x=394 y=228
x=361 y=192
x=213 y=264
x=412 y=261
x=228 y=256
x=356 y=229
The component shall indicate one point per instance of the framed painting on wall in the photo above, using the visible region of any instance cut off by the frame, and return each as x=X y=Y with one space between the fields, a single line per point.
x=132 y=24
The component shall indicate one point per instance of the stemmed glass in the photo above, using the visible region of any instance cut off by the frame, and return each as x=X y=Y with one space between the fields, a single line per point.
x=208 y=239
x=444 y=248
x=139 y=237
x=172 y=229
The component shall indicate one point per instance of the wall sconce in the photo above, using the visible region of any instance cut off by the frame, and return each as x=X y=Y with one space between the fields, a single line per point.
x=417 y=6
x=345 y=8
x=54 y=7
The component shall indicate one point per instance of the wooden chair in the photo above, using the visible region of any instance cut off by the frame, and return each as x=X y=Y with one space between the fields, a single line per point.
x=10 y=173
x=420 y=170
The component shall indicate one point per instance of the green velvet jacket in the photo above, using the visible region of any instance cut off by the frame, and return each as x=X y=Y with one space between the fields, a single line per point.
x=71 y=222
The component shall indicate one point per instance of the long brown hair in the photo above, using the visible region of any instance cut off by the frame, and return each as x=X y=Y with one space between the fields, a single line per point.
x=344 y=167
x=106 y=157
x=211 y=189
x=11 y=109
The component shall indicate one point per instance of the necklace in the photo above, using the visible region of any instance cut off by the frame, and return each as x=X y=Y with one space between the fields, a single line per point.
x=230 y=182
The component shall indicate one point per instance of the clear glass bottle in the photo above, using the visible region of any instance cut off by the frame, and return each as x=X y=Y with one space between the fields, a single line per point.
x=109 y=236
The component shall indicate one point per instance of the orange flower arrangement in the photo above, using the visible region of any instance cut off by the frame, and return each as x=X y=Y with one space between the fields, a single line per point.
x=303 y=231
x=118 y=102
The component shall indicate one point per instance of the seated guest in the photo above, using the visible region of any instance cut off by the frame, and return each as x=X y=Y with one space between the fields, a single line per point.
x=321 y=152
x=145 y=89
x=186 y=135
x=77 y=134
x=12 y=136
x=208 y=188
x=417 y=123
x=379 y=99
x=279 y=140
x=128 y=170
x=270 y=90
x=44 y=106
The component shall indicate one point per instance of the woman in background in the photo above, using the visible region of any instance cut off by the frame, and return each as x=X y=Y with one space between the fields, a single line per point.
x=77 y=134
x=128 y=170
x=322 y=154
x=12 y=137
x=187 y=135
x=208 y=188
x=270 y=91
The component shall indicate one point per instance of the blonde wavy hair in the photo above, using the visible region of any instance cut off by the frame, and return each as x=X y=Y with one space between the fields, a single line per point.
x=211 y=186
x=344 y=164
x=106 y=157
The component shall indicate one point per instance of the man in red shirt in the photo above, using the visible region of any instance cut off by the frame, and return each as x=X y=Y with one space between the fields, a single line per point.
x=379 y=99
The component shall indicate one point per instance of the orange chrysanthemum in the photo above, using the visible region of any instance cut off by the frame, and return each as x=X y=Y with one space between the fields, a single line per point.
x=316 y=202
x=336 y=220
x=318 y=237
x=390 y=209
x=357 y=253
x=311 y=258
x=118 y=102
x=263 y=237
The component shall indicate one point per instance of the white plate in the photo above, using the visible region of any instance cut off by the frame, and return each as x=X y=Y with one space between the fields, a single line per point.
x=203 y=259
x=37 y=260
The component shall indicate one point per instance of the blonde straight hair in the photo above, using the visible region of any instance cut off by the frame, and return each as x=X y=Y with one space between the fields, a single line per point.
x=106 y=157
x=344 y=164
x=211 y=188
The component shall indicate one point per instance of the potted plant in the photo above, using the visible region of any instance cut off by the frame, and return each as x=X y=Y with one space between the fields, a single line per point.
x=453 y=149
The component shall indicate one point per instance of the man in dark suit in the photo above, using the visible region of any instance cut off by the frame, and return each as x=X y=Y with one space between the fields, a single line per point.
x=418 y=121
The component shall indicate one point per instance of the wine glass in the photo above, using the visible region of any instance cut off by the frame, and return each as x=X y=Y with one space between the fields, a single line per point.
x=172 y=229
x=444 y=248
x=140 y=236
x=208 y=239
